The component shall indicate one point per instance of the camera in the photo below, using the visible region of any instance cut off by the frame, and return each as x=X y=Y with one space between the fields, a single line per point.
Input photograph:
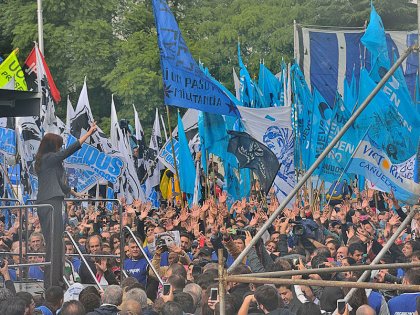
x=242 y=231
x=392 y=279
x=305 y=228
x=299 y=230
x=161 y=243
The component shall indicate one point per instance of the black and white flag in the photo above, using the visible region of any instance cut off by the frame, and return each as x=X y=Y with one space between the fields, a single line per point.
x=255 y=156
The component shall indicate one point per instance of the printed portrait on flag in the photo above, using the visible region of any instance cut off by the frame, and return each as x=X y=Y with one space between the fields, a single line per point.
x=273 y=127
x=281 y=141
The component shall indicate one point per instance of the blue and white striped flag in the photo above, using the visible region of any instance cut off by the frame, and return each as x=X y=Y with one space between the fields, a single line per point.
x=373 y=163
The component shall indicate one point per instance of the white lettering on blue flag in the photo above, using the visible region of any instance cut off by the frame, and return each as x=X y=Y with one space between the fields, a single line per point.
x=166 y=156
x=88 y=157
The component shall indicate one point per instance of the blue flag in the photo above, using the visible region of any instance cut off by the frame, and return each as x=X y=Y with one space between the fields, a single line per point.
x=270 y=87
x=214 y=134
x=321 y=120
x=374 y=39
x=250 y=94
x=184 y=83
x=333 y=166
x=416 y=175
x=350 y=93
x=109 y=195
x=304 y=106
x=417 y=93
x=386 y=112
x=186 y=166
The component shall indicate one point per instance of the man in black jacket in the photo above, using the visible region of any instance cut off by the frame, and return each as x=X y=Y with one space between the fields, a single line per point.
x=98 y=265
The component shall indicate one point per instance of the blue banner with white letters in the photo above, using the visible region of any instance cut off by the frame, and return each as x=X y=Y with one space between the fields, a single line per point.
x=166 y=156
x=184 y=83
x=90 y=158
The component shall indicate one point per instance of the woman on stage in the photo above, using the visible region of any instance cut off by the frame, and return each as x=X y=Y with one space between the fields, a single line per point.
x=52 y=189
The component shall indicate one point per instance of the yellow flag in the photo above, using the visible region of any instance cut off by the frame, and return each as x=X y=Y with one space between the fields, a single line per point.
x=10 y=69
x=167 y=189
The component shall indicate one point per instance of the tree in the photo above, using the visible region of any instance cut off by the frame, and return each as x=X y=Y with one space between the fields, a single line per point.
x=114 y=43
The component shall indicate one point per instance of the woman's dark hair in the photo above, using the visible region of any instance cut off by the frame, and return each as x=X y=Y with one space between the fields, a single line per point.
x=49 y=143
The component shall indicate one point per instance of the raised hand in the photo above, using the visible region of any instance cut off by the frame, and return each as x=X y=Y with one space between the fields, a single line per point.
x=284 y=225
x=223 y=197
x=395 y=219
x=92 y=128
x=248 y=238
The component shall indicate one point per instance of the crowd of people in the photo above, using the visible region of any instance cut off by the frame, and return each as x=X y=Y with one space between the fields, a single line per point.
x=350 y=232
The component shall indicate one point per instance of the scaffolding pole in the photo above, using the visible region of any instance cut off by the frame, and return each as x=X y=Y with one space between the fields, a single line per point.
x=289 y=273
x=221 y=272
x=318 y=161
x=325 y=283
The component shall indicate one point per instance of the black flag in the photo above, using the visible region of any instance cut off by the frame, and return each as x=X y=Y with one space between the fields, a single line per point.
x=254 y=155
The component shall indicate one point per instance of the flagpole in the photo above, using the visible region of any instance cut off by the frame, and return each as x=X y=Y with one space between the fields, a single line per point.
x=40 y=27
x=164 y=128
x=7 y=180
x=318 y=161
x=174 y=156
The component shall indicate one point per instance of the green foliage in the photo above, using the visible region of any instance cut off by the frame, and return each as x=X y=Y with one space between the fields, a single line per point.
x=114 y=44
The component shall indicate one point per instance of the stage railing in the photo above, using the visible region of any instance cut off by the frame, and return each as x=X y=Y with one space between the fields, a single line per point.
x=84 y=260
x=20 y=207
x=120 y=213
x=144 y=254
x=17 y=201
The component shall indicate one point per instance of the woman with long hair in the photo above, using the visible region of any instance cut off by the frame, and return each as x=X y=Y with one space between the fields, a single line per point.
x=52 y=188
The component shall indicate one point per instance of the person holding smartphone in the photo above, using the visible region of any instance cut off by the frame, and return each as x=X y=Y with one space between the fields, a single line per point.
x=52 y=188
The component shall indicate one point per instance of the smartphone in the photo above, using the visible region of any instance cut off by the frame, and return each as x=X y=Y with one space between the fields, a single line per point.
x=321 y=266
x=166 y=288
x=214 y=293
x=341 y=306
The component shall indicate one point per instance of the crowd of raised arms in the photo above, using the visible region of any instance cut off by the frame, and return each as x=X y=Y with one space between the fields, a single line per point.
x=306 y=235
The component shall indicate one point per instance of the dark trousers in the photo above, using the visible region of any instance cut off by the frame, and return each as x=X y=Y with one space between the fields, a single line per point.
x=53 y=274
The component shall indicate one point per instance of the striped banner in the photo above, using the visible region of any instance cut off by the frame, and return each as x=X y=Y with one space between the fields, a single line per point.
x=327 y=56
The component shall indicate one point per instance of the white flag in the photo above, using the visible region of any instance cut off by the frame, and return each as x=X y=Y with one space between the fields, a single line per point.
x=130 y=184
x=152 y=163
x=272 y=126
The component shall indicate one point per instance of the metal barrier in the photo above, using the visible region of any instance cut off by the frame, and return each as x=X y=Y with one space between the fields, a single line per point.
x=84 y=259
x=144 y=253
x=19 y=231
x=20 y=207
x=120 y=212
